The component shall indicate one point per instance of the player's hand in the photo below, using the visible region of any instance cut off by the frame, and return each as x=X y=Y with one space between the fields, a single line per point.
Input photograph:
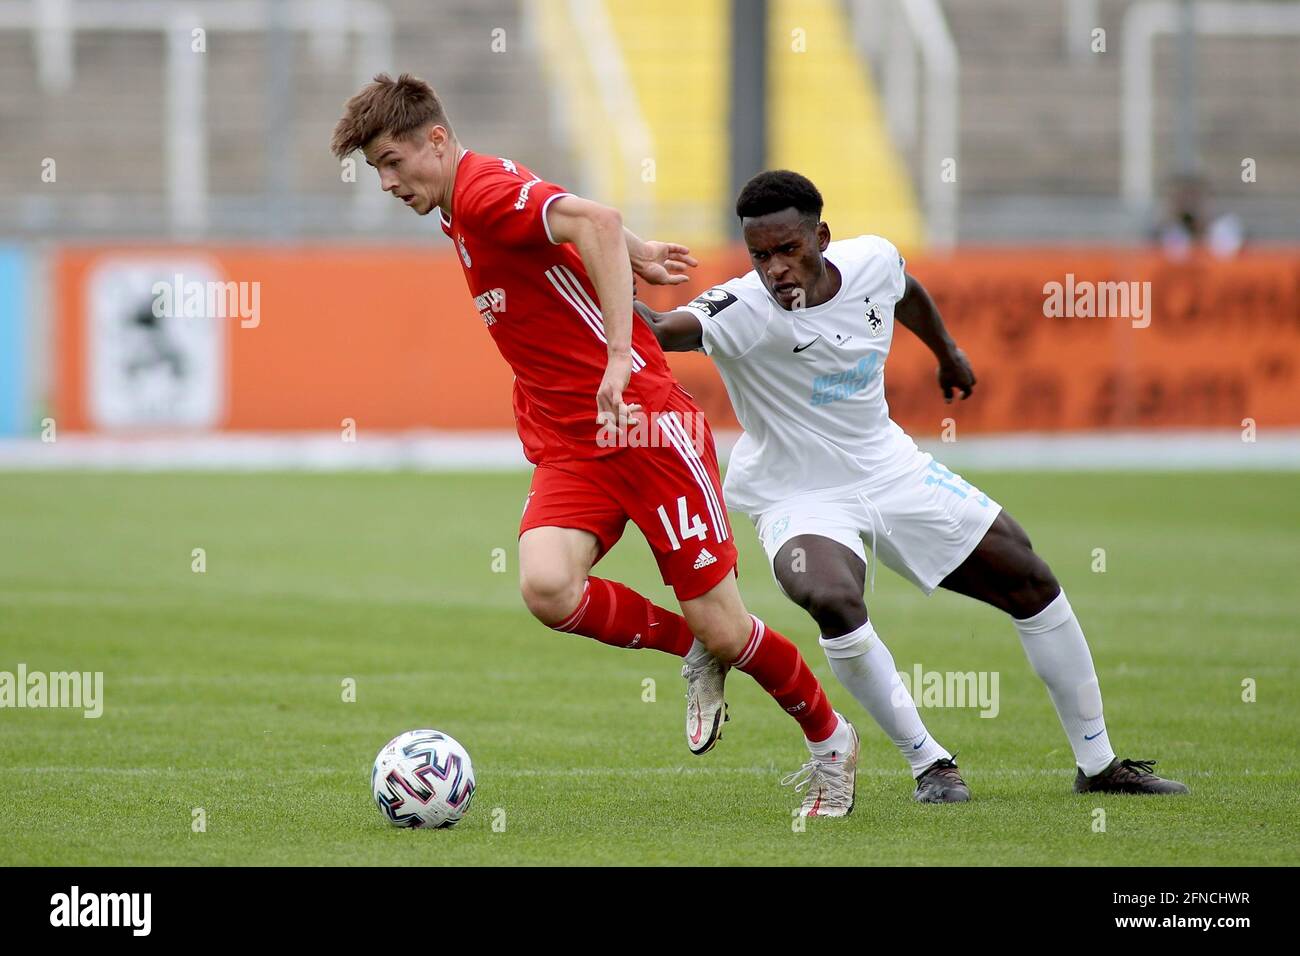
x=955 y=374
x=663 y=263
x=610 y=408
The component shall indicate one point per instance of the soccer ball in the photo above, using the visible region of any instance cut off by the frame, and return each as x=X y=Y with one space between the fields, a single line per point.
x=422 y=778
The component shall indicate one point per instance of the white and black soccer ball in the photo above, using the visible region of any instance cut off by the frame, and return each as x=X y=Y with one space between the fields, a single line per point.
x=423 y=778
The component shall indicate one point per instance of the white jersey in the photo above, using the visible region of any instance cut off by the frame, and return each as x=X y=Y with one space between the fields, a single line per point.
x=808 y=386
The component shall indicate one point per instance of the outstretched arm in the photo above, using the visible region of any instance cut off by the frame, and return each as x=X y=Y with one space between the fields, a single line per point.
x=678 y=331
x=659 y=263
x=916 y=312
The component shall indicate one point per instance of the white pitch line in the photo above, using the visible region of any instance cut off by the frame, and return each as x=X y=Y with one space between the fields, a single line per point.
x=636 y=772
x=1277 y=449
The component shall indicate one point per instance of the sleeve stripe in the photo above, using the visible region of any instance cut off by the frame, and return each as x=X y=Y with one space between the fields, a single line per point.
x=551 y=274
x=560 y=281
x=593 y=311
x=546 y=224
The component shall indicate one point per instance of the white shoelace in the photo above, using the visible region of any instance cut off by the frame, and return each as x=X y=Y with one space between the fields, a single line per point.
x=802 y=778
x=815 y=770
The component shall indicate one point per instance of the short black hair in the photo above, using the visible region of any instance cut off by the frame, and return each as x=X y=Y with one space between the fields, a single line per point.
x=778 y=189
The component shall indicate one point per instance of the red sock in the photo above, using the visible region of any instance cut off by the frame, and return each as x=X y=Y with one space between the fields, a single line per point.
x=614 y=614
x=779 y=668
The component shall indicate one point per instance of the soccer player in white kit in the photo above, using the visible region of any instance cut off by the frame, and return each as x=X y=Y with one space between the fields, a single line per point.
x=801 y=344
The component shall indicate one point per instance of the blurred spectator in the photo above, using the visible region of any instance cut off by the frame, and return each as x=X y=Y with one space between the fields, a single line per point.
x=1189 y=222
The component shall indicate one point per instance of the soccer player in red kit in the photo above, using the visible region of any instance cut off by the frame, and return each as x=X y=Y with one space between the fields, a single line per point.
x=611 y=433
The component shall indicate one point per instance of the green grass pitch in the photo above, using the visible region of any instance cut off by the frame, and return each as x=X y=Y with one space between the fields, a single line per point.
x=223 y=689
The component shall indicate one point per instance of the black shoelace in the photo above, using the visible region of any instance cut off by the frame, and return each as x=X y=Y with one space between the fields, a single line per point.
x=1140 y=766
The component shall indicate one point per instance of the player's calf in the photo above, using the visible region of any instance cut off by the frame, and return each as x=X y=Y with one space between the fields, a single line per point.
x=553 y=580
x=614 y=614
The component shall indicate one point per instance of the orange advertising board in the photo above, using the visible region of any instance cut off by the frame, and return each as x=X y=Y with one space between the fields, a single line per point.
x=386 y=337
x=389 y=338
x=1213 y=342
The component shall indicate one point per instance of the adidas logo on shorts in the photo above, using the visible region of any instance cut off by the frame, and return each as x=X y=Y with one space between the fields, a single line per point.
x=704 y=559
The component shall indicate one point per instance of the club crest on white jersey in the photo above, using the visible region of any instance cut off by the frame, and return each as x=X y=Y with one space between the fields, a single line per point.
x=875 y=317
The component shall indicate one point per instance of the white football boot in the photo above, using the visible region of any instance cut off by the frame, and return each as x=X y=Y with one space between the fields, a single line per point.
x=827 y=782
x=705 y=707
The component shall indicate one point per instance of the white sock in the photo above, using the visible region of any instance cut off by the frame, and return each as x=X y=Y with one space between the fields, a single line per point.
x=1058 y=653
x=840 y=740
x=864 y=665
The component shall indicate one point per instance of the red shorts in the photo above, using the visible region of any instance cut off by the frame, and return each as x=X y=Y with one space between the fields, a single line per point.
x=665 y=480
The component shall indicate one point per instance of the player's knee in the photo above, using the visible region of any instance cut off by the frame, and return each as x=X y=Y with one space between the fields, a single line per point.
x=724 y=643
x=1037 y=588
x=723 y=635
x=822 y=595
x=550 y=594
x=798 y=586
x=837 y=608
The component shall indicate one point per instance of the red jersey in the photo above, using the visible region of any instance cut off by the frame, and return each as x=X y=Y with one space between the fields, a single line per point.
x=541 y=309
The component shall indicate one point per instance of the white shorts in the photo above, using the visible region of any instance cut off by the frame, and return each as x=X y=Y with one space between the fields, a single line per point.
x=924 y=523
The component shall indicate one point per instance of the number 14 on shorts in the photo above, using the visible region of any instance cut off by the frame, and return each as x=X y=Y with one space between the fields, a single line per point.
x=689 y=525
